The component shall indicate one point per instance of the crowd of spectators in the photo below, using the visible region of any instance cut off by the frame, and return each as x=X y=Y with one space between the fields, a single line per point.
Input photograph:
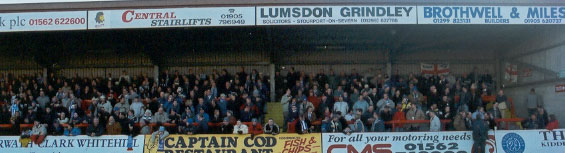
x=235 y=103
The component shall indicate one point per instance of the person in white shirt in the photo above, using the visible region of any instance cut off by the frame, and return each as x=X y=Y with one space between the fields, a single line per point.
x=435 y=124
x=240 y=128
x=341 y=106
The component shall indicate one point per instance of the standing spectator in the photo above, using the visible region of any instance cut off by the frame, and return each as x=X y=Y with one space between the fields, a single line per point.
x=38 y=132
x=240 y=128
x=459 y=121
x=480 y=135
x=335 y=125
x=378 y=124
x=542 y=117
x=414 y=114
x=358 y=125
x=55 y=129
x=285 y=100
x=501 y=105
x=399 y=116
x=435 y=124
x=95 y=129
x=271 y=127
x=113 y=127
x=533 y=122
x=202 y=127
x=341 y=106
x=161 y=133
x=533 y=101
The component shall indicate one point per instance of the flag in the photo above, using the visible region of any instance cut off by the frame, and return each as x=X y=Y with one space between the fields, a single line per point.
x=511 y=73
x=434 y=69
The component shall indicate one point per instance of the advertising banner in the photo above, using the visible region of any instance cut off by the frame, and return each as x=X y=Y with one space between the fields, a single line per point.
x=171 y=17
x=73 y=144
x=230 y=143
x=491 y=14
x=403 y=142
x=320 y=15
x=526 y=141
x=42 y=21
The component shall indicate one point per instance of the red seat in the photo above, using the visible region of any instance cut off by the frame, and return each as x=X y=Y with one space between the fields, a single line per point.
x=291 y=127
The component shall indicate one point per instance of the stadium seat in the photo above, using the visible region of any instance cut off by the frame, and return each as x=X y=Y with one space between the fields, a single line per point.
x=291 y=127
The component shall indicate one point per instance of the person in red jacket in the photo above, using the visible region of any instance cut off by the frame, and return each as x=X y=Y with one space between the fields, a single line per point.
x=255 y=128
x=553 y=123
x=399 y=116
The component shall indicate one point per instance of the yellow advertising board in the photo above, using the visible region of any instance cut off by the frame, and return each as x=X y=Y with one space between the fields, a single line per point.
x=230 y=143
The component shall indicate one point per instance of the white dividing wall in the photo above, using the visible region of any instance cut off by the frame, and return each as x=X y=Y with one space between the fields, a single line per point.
x=547 y=51
x=460 y=61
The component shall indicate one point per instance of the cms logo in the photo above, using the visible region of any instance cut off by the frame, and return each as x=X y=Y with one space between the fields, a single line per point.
x=369 y=148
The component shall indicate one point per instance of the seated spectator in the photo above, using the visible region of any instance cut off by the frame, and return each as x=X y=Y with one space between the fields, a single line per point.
x=495 y=111
x=187 y=116
x=76 y=118
x=147 y=117
x=414 y=114
x=310 y=114
x=378 y=124
x=435 y=124
x=161 y=134
x=341 y=106
x=160 y=116
x=174 y=118
x=246 y=114
x=205 y=115
x=533 y=123
x=225 y=128
x=553 y=123
x=38 y=132
x=113 y=128
x=145 y=129
x=385 y=102
x=361 y=104
x=240 y=128
x=271 y=127
x=137 y=107
x=489 y=121
x=62 y=118
x=95 y=128
x=542 y=117
x=217 y=117
x=72 y=130
x=132 y=117
x=386 y=115
x=303 y=126
x=255 y=127
x=55 y=129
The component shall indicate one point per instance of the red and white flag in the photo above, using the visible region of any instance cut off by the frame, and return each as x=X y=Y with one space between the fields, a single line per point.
x=434 y=69
x=511 y=73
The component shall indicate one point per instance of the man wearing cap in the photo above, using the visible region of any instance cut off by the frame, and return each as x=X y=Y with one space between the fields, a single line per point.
x=161 y=133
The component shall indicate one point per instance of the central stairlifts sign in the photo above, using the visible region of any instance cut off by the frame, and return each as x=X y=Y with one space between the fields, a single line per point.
x=320 y=15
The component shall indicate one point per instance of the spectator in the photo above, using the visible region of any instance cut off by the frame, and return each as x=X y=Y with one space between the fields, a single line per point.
x=435 y=124
x=414 y=114
x=480 y=135
x=202 y=127
x=72 y=130
x=495 y=111
x=358 y=125
x=113 y=128
x=385 y=102
x=341 y=106
x=303 y=126
x=399 y=116
x=255 y=128
x=310 y=115
x=225 y=128
x=147 y=117
x=533 y=122
x=378 y=124
x=271 y=127
x=533 y=101
x=542 y=117
x=285 y=102
x=160 y=116
x=553 y=123
x=145 y=129
x=335 y=125
x=38 y=132
x=501 y=105
x=95 y=129
x=137 y=107
x=55 y=129
x=240 y=128
x=161 y=134
x=361 y=104
x=62 y=118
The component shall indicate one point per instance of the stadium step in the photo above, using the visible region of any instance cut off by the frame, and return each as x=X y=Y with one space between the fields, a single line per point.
x=275 y=111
